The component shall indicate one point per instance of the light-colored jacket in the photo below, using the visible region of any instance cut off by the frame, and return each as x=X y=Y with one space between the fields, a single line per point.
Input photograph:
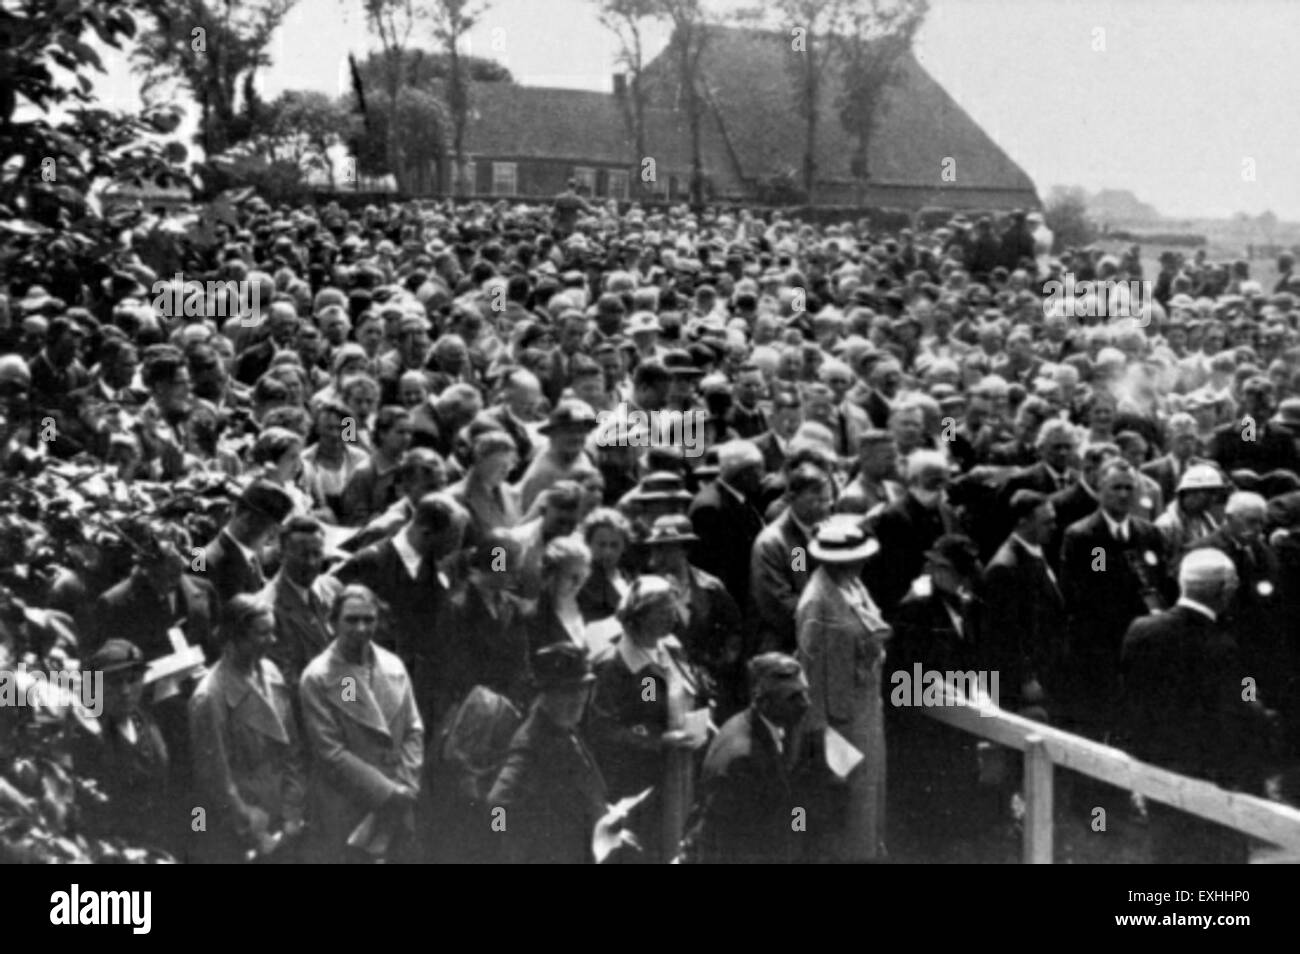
x=365 y=738
x=248 y=754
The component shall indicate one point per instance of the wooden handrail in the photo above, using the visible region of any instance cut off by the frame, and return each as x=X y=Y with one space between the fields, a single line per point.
x=1046 y=746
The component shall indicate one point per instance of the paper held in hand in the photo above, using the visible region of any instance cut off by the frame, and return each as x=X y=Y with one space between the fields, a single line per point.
x=841 y=755
x=609 y=834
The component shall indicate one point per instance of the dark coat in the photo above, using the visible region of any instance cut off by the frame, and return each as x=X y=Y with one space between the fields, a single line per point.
x=1183 y=707
x=598 y=599
x=229 y=570
x=1272 y=449
x=773 y=456
x=1100 y=604
x=410 y=627
x=745 y=423
x=1163 y=471
x=1255 y=616
x=727 y=529
x=775 y=584
x=552 y=792
x=133 y=610
x=302 y=628
x=905 y=530
x=1024 y=631
x=748 y=792
x=487 y=649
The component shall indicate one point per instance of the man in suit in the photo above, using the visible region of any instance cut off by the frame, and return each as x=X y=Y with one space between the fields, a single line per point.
x=1112 y=572
x=876 y=485
x=725 y=519
x=1184 y=708
x=404 y=572
x=365 y=737
x=1184 y=445
x=746 y=416
x=231 y=561
x=774 y=443
x=758 y=769
x=908 y=528
x=1056 y=443
x=1079 y=499
x=779 y=565
x=155 y=599
x=1024 y=609
x=282 y=327
x=300 y=596
x=1255 y=612
x=520 y=395
x=483 y=492
x=1251 y=442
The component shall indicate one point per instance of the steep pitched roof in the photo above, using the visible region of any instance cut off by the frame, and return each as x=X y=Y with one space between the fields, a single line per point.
x=751 y=82
x=534 y=122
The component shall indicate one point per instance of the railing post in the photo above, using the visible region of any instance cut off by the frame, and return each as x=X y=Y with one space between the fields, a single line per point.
x=1038 y=802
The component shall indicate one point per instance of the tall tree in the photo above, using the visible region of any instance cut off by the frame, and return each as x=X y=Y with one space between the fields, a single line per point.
x=627 y=20
x=810 y=26
x=872 y=36
x=214 y=49
x=690 y=38
x=395 y=23
x=452 y=19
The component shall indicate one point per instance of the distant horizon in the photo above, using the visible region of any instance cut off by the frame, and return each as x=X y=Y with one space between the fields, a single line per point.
x=1164 y=110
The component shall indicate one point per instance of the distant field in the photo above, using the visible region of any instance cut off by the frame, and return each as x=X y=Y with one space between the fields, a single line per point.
x=1262 y=270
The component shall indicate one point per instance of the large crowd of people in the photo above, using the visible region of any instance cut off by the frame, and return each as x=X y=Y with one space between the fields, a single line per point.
x=374 y=568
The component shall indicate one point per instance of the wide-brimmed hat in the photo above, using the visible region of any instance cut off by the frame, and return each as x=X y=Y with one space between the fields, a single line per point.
x=672 y=528
x=116 y=655
x=661 y=485
x=642 y=322
x=956 y=551
x=561 y=666
x=1201 y=477
x=267 y=499
x=842 y=540
x=1288 y=415
x=570 y=414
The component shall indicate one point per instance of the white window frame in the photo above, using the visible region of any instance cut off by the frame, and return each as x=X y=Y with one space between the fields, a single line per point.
x=501 y=169
x=619 y=176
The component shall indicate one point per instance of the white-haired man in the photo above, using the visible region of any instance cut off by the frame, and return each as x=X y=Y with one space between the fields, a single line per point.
x=908 y=528
x=1184 y=708
x=726 y=519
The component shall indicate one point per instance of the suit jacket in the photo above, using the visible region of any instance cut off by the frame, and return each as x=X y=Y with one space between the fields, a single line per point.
x=746 y=424
x=1165 y=471
x=1255 y=616
x=486 y=648
x=1101 y=603
x=775 y=583
x=133 y=610
x=229 y=570
x=410 y=626
x=486 y=511
x=1072 y=504
x=366 y=739
x=905 y=530
x=713 y=634
x=1024 y=612
x=726 y=527
x=773 y=456
x=247 y=755
x=302 y=628
x=1272 y=449
x=1182 y=704
x=598 y=598
x=552 y=792
x=748 y=792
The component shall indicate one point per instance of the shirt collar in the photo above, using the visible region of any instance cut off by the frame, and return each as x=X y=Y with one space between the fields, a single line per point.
x=778 y=733
x=1116 y=525
x=410 y=558
x=638 y=658
x=1198 y=608
x=1033 y=548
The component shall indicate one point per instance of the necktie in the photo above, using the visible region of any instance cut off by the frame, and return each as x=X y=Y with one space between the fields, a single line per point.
x=256 y=565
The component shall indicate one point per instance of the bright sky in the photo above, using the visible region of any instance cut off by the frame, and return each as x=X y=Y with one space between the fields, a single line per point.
x=1166 y=98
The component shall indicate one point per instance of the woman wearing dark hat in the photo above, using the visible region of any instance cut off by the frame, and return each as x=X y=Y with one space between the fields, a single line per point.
x=550 y=795
x=842 y=648
x=128 y=759
x=644 y=684
x=248 y=756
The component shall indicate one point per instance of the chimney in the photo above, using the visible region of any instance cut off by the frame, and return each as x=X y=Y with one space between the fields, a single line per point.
x=620 y=85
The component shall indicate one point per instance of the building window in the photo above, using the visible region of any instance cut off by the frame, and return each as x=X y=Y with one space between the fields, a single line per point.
x=505 y=177
x=585 y=176
x=618 y=184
